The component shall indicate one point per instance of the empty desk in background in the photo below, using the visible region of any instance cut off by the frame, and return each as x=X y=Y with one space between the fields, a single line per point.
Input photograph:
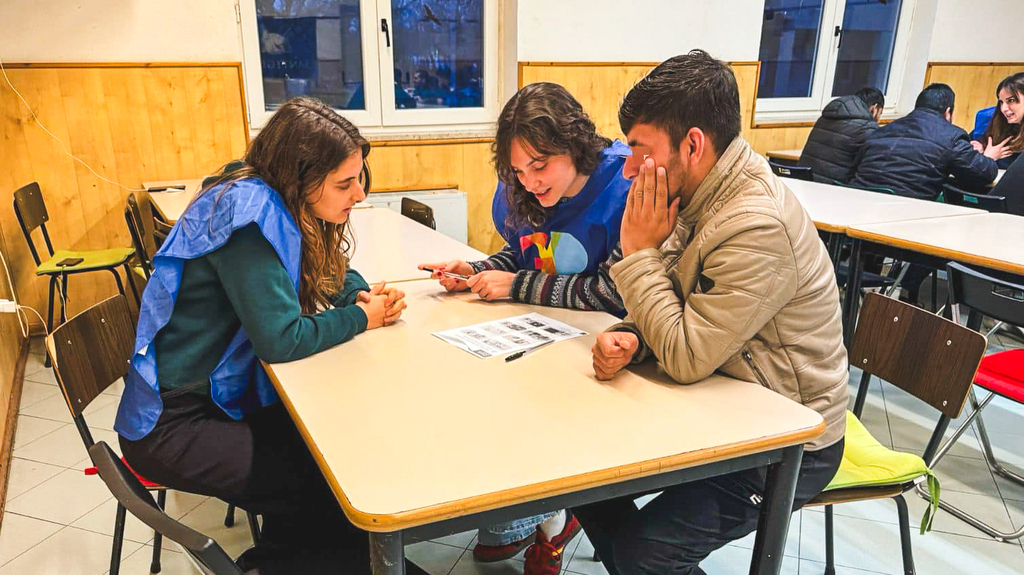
x=835 y=208
x=175 y=195
x=992 y=242
x=390 y=246
x=784 y=157
x=396 y=432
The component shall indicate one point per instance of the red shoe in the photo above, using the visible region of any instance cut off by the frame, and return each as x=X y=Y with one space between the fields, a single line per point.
x=493 y=553
x=545 y=557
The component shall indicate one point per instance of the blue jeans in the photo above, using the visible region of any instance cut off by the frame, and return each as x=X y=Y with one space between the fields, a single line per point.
x=505 y=533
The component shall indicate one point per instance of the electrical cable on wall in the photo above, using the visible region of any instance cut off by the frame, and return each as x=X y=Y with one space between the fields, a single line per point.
x=24 y=323
x=58 y=140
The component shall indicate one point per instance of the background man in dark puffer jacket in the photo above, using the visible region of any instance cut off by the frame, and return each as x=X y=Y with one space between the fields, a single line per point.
x=915 y=155
x=835 y=141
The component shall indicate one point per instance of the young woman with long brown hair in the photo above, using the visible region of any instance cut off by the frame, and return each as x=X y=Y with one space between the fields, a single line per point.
x=558 y=206
x=256 y=269
x=1006 y=121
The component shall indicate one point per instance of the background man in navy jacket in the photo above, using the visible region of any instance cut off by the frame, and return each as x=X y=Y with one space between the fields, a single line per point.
x=915 y=155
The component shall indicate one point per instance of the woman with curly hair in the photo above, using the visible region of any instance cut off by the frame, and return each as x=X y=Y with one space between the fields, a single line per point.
x=256 y=269
x=558 y=206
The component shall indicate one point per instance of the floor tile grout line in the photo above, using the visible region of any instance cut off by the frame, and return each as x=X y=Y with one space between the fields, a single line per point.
x=62 y=528
x=41 y=436
x=457 y=560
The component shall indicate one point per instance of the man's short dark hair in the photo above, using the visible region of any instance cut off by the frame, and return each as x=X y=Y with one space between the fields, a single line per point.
x=938 y=97
x=871 y=97
x=687 y=91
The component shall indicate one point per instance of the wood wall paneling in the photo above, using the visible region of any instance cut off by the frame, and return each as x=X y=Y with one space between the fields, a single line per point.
x=131 y=123
x=600 y=87
x=464 y=165
x=974 y=84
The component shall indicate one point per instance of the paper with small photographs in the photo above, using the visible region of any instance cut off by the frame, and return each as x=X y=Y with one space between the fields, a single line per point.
x=509 y=335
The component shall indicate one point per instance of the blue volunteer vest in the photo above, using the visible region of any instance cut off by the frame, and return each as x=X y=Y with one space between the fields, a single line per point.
x=238 y=384
x=579 y=233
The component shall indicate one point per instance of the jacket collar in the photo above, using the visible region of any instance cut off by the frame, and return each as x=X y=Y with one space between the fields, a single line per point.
x=716 y=186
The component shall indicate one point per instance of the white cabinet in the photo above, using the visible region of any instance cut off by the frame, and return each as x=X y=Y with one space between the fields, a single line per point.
x=449 y=205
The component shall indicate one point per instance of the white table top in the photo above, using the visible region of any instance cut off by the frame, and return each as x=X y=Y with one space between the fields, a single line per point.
x=835 y=208
x=994 y=241
x=793 y=155
x=403 y=424
x=390 y=246
x=171 y=203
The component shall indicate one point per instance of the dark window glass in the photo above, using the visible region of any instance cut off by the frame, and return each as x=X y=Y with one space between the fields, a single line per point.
x=865 y=52
x=438 y=48
x=789 y=45
x=311 y=48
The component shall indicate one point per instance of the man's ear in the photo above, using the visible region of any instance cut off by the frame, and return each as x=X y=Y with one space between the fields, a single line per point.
x=949 y=115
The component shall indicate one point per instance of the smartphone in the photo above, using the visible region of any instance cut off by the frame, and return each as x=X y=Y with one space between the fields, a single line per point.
x=70 y=262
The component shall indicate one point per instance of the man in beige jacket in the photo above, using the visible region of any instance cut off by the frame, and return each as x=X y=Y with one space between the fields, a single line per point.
x=722 y=270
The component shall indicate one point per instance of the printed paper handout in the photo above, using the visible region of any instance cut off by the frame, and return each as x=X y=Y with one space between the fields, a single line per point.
x=509 y=335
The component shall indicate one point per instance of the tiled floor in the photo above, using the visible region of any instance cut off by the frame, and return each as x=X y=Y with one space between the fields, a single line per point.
x=59 y=521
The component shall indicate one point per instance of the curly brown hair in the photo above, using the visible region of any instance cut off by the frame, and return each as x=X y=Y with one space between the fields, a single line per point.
x=300 y=145
x=547 y=118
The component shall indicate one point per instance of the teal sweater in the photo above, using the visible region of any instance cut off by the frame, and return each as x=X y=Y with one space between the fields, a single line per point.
x=244 y=284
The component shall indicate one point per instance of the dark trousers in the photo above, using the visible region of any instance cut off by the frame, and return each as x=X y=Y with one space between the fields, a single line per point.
x=261 y=465
x=675 y=531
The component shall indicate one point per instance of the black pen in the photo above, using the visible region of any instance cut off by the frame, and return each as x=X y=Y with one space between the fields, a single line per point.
x=520 y=354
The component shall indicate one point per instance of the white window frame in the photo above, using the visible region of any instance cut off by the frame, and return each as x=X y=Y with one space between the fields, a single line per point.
x=381 y=118
x=781 y=110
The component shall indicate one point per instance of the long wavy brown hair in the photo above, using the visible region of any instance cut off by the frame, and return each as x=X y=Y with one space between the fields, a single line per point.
x=301 y=144
x=998 y=128
x=546 y=117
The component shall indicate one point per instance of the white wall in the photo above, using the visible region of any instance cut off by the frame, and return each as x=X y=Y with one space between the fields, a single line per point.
x=978 y=31
x=638 y=30
x=118 y=31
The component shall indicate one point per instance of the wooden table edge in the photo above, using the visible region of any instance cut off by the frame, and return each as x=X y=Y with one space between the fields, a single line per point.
x=390 y=522
x=928 y=249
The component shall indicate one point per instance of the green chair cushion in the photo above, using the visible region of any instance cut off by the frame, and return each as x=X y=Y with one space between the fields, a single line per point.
x=868 y=463
x=91 y=260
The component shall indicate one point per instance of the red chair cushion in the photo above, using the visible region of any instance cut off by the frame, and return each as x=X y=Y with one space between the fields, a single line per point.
x=145 y=482
x=1003 y=373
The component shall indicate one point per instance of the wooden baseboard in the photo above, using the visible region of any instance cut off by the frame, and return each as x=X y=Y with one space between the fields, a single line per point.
x=7 y=440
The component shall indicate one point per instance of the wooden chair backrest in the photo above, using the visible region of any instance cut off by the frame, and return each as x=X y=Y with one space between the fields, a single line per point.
x=926 y=355
x=91 y=351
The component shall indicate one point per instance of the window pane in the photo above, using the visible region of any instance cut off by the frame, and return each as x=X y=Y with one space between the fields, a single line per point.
x=439 y=53
x=789 y=44
x=865 y=53
x=311 y=48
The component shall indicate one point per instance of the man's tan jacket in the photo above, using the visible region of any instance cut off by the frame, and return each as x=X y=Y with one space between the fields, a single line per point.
x=743 y=286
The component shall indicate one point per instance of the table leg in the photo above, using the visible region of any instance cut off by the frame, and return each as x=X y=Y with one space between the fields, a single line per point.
x=776 y=510
x=852 y=301
x=387 y=553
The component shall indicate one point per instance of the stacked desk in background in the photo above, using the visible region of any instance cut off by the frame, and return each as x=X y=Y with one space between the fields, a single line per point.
x=393 y=417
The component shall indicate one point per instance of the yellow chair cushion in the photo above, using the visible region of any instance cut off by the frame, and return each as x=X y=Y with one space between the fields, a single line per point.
x=91 y=260
x=868 y=463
